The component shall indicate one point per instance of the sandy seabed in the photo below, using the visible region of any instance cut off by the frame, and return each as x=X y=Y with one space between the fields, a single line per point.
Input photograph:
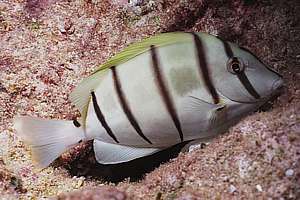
x=48 y=46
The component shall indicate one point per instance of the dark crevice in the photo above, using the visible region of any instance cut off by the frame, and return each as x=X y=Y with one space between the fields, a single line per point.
x=86 y=165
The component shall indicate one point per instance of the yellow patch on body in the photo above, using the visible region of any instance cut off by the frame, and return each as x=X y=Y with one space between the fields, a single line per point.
x=184 y=80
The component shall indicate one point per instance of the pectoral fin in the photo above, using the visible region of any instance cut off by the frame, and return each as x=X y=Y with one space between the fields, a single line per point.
x=205 y=111
x=107 y=153
x=217 y=113
x=195 y=104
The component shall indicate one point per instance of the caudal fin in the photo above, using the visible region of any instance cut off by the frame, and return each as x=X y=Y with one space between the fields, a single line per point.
x=48 y=139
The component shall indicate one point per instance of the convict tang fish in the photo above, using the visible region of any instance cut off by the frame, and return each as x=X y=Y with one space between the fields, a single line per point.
x=156 y=93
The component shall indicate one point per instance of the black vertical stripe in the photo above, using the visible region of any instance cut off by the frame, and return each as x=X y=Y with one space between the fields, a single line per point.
x=102 y=119
x=270 y=69
x=246 y=83
x=125 y=106
x=227 y=48
x=204 y=69
x=76 y=123
x=241 y=75
x=164 y=91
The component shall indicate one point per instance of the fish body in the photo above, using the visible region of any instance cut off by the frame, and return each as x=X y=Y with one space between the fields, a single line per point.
x=167 y=89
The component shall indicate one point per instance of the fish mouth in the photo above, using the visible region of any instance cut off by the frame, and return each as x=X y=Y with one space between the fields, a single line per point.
x=277 y=86
x=277 y=90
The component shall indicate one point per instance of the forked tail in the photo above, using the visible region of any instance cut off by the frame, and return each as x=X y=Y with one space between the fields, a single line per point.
x=48 y=139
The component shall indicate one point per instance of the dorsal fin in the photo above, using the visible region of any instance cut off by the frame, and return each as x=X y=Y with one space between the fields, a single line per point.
x=137 y=48
x=81 y=95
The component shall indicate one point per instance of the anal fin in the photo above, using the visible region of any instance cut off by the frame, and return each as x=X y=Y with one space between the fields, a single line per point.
x=107 y=153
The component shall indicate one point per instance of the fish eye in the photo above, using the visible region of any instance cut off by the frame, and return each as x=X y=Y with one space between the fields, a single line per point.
x=235 y=65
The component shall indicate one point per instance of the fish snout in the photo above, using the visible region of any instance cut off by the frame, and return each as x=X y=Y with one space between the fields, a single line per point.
x=277 y=85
